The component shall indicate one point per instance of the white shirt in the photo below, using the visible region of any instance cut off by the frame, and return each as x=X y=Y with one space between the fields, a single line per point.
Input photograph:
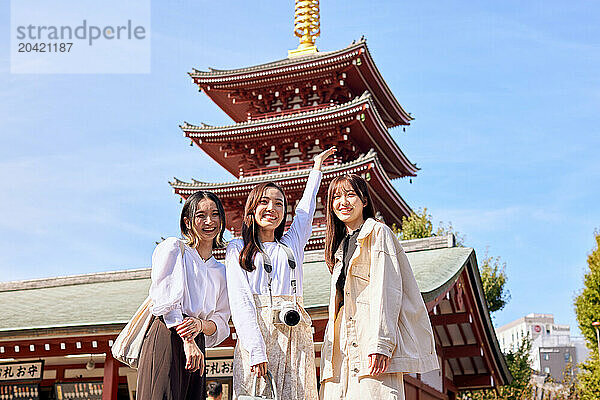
x=242 y=285
x=192 y=286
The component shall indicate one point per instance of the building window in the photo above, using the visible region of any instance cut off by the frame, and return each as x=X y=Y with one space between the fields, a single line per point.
x=546 y=370
x=567 y=357
x=546 y=356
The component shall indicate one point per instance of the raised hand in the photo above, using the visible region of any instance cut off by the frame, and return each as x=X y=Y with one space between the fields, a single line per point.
x=319 y=158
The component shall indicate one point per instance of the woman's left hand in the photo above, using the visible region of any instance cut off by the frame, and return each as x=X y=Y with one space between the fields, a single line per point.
x=194 y=358
x=189 y=328
x=319 y=158
x=378 y=364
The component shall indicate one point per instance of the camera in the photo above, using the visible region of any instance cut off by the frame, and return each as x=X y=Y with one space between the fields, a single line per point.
x=286 y=313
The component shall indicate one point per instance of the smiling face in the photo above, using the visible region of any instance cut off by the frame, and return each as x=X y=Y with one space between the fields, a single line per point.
x=347 y=205
x=270 y=211
x=206 y=220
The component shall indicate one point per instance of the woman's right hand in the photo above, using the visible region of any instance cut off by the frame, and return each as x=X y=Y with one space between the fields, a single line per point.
x=189 y=328
x=259 y=369
x=194 y=358
x=321 y=157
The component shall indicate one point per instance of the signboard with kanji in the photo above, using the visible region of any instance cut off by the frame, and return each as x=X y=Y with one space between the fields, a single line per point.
x=21 y=371
x=219 y=368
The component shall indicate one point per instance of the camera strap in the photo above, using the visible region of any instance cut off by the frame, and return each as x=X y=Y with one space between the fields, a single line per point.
x=268 y=265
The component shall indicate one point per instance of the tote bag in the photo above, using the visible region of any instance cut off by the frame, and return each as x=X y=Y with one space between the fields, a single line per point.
x=254 y=396
x=128 y=345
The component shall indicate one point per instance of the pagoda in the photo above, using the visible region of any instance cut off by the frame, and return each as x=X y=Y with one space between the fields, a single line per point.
x=285 y=112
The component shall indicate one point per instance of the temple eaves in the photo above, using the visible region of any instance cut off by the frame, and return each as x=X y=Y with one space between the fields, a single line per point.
x=354 y=65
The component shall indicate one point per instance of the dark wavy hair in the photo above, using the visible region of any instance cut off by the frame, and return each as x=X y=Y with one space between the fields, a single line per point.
x=336 y=229
x=214 y=389
x=250 y=227
x=189 y=211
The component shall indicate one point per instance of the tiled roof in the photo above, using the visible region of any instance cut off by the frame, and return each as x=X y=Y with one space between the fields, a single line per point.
x=106 y=298
x=92 y=303
x=300 y=118
x=286 y=63
x=252 y=180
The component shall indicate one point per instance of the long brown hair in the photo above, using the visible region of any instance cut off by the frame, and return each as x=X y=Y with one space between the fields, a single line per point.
x=250 y=227
x=336 y=229
x=189 y=211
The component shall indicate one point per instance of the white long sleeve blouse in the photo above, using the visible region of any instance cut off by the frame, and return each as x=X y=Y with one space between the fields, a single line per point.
x=242 y=285
x=192 y=286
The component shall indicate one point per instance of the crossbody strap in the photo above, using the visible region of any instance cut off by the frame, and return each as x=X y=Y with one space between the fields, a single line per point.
x=268 y=265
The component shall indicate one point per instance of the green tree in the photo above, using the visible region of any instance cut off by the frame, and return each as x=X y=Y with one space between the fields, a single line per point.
x=588 y=379
x=518 y=362
x=519 y=366
x=419 y=225
x=587 y=309
x=493 y=278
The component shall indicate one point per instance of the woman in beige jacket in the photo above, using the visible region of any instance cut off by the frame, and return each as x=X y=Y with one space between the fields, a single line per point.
x=378 y=325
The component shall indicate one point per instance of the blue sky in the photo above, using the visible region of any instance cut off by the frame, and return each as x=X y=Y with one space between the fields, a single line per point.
x=505 y=94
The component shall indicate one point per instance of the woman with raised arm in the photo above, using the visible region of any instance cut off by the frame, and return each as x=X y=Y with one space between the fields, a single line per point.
x=378 y=325
x=189 y=302
x=264 y=278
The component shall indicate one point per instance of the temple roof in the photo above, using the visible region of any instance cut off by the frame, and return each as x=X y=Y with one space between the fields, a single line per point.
x=386 y=198
x=47 y=302
x=366 y=132
x=362 y=75
x=290 y=63
x=247 y=128
x=251 y=181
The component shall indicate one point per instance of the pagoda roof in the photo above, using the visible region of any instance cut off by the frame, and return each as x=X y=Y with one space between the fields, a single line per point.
x=386 y=198
x=210 y=138
x=362 y=75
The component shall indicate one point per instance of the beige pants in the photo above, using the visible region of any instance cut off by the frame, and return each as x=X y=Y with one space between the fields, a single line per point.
x=346 y=384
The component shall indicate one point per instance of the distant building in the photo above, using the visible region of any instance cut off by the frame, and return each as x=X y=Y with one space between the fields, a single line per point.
x=532 y=325
x=554 y=352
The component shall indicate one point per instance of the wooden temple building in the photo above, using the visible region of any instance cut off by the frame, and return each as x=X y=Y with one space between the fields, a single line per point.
x=70 y=322
x=283 y=113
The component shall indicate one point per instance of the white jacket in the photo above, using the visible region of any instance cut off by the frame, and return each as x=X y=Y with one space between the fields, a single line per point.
x=384 y=309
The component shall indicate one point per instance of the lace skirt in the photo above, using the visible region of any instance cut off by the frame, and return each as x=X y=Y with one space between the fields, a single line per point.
x=290 y=351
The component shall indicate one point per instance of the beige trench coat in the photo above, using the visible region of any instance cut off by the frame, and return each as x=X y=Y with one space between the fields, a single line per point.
x=384 y=310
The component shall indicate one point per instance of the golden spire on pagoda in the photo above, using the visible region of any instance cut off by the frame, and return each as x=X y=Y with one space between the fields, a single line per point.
x=307 y=26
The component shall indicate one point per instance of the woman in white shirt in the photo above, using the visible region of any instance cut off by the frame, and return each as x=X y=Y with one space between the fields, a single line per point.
x=256 y=295
x=189 y=302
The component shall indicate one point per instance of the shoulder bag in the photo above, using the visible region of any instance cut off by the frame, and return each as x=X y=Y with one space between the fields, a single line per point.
x=128 y=345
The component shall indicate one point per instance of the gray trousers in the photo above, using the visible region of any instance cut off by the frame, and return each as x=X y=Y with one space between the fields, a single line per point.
x=161 y=369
